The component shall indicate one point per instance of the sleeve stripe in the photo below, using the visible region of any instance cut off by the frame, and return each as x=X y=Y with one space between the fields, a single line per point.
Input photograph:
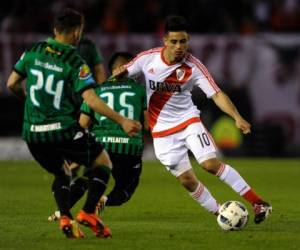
x=20 y=72
x=86 y=113
x=90 y=86
x=204 y=70
x=142 y=54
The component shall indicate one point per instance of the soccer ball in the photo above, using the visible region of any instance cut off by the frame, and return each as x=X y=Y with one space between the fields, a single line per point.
x=233 y=216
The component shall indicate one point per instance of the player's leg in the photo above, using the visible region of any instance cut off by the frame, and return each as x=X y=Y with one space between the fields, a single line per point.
x=232 y=178
x=126 y=173
x=86 y=151
x=172 y=152
x=53 y=163
x=78 y=186
x=98 y=179
x=185 y=174
x=205 y=151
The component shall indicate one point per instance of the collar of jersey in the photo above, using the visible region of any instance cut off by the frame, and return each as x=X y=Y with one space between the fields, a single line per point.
x=53 y=41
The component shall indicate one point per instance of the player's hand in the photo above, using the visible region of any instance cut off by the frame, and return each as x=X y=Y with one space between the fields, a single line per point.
x=243 y=125
x=131 y=127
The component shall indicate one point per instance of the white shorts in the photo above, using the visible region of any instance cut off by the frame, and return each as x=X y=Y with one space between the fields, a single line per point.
x=172 y=150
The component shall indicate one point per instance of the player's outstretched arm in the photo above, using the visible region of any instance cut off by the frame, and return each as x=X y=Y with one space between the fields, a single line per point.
x=14 y=85
x=99 y=73
x=119 y=71
x=131 y=127
x=226 y=105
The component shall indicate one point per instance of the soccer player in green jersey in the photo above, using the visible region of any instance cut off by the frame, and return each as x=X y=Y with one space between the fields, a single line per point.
x=131 y=98
x=127 y=97
x=54 y=71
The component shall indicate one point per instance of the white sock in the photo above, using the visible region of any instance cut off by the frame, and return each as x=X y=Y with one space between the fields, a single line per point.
x=205 y=199
x=232 y=178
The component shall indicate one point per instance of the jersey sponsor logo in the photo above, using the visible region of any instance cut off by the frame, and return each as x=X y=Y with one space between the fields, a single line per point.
x=180 y=73
x=47 y=65
x=115 y=87
x=84 y=72
x=46 y=127
x=164 y=86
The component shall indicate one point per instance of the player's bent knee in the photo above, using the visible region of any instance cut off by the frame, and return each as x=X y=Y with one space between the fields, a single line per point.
x=103 y=160
x=189 y=180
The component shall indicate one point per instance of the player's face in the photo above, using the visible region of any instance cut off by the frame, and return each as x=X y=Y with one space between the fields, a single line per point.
x=176 y=45
x=120 y=61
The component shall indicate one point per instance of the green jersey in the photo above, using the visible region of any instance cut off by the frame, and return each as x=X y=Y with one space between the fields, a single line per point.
x=128 y=98
x=88 y=51
x=54 y=71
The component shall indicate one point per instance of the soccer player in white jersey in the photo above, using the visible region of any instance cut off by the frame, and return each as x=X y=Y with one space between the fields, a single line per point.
x=171 y=73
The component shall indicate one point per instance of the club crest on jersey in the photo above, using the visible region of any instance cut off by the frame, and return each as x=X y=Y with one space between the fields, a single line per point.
x=180 y=74
x=84 y=72
x=151 y=71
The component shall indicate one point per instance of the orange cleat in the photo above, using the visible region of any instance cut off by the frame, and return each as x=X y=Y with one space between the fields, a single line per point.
x=94 y=223
x=70 y=228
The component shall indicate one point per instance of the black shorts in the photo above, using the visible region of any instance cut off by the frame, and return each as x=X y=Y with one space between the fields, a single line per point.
x=124 y=161
x=126 y=168
x=83 y=149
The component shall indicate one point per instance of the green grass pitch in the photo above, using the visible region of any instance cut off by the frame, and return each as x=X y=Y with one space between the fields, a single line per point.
x=160 y=215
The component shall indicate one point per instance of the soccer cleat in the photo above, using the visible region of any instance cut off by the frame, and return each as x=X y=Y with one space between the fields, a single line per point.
x=94 y=223
x=54 y=217
x=262 y=211
x=101 y=204
x=70 y=228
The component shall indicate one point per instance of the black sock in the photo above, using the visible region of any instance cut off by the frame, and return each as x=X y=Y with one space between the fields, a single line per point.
x=126 y=183
x=61 y=191
x=78 y=188
x=97 y=184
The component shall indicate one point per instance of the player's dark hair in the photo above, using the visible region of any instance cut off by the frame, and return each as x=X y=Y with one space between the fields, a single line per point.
x=67 y=20
x=126 y=55
x=175 y=23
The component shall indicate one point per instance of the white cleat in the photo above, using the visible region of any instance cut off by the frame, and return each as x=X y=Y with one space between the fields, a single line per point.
x=54 y=217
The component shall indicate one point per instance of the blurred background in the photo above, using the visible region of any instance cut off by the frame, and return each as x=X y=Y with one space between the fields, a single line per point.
x=251 y=48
